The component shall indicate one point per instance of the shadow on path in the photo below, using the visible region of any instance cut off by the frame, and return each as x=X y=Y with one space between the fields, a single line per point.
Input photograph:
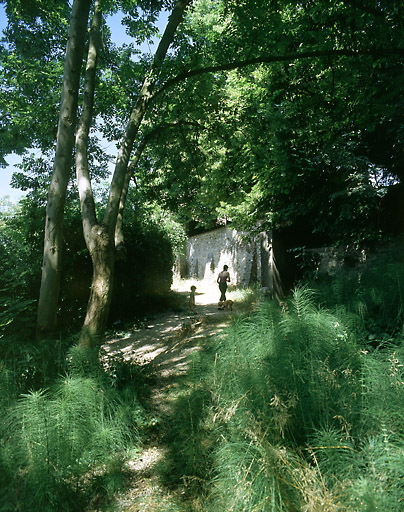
x=170 y=338
x=168 y=343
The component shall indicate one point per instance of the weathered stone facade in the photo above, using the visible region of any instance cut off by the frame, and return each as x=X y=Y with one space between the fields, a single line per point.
x=249 y=259
x=265 y=259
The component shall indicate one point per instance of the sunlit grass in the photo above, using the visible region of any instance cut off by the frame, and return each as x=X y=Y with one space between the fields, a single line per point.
x=63 y=446
x=305 y=418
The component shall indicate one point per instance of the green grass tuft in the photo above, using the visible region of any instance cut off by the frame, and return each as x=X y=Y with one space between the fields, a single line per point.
x=62 y=446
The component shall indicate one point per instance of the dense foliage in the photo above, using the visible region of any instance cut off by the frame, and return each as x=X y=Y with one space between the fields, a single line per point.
x=302 y=141
x=297 y=406
x=269 y=114
x=20 y=241
x=144 y=271
x=275 y=115
x=302 y=421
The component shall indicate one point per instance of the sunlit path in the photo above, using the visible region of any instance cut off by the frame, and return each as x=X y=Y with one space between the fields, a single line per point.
x=167 y=344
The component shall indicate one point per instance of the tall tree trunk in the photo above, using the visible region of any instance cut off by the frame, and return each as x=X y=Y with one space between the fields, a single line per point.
x=97 y=240
x=101 y=237
x=53 y=240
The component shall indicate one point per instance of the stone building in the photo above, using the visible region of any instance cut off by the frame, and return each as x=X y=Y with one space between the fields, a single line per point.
x=249 y=258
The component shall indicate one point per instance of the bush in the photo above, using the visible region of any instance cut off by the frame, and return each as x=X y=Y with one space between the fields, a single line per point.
x=292 y=368
x=144 y=267
x=372 y=292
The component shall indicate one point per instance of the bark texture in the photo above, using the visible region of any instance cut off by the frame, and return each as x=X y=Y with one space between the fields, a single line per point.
x=98 y=243
x=100 y=238
x=102 y=252
x=53 y=240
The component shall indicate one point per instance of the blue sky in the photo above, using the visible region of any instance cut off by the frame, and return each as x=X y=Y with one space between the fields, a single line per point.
x=5 y=174
x=118 y=36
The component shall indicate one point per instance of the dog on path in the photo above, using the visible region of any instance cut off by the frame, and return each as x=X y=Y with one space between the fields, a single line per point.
x=225 y=304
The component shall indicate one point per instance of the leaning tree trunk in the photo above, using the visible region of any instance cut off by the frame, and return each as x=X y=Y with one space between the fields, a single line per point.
x=101 y=237
x=53 y=240
x=119 y=238
x=102 y=251
x=136 y=117
x=99 y=245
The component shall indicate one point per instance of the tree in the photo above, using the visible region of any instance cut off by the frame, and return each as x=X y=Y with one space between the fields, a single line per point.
x=52 y=251
x=292 y=146
x=100 y=237
x=249 y=118
x=53 y=242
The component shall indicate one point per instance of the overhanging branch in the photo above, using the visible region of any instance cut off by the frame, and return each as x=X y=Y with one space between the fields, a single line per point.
x=150 y=135
x=270 y=59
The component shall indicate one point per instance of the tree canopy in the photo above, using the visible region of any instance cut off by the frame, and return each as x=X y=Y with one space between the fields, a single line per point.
x=269 y=114
x=297 y=117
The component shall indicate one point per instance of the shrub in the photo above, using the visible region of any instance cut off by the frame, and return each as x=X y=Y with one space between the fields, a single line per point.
x=144 y=267
x=372 y=291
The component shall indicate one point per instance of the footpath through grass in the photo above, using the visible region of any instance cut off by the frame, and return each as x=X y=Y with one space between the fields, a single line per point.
x=295 y=408
x=270 y=409
x=172 y=471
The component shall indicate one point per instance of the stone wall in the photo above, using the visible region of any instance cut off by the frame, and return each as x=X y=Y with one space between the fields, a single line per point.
x=248 y=259
x=264 y=260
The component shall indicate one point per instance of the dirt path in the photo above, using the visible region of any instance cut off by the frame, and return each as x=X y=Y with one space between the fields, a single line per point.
x=167 y=343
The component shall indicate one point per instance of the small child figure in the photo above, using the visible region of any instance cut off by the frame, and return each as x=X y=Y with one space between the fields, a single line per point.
x=191 y=305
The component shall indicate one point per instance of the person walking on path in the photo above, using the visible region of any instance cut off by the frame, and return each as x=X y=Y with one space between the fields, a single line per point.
x=223 y=278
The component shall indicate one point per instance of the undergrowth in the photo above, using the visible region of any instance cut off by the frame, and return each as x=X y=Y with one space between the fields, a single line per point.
x=64 y=447
x=297 y=409
x=294 y=408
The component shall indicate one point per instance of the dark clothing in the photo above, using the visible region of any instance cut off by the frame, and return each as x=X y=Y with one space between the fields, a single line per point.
x=223 y=288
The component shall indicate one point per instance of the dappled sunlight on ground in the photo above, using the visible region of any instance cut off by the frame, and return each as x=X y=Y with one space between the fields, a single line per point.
x=168 y=343
x=162 y=340
x=207 y=292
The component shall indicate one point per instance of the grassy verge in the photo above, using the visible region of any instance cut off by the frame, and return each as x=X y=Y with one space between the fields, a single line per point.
x=64 y=448
x=299 y=409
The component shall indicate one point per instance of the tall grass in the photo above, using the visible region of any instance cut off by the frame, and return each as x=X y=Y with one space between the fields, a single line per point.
x=308 y=414
x=291 y=409
x=294 y=369
x=63 y=446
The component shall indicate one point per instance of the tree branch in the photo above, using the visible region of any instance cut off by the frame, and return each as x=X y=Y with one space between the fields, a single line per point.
x=119 y=238
x=137 y=114
x=270 y=59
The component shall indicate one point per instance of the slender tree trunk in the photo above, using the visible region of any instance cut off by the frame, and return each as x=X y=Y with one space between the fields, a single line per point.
x=97 y=240
x=53 y=240
x=119 y=238
x=101 y=238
